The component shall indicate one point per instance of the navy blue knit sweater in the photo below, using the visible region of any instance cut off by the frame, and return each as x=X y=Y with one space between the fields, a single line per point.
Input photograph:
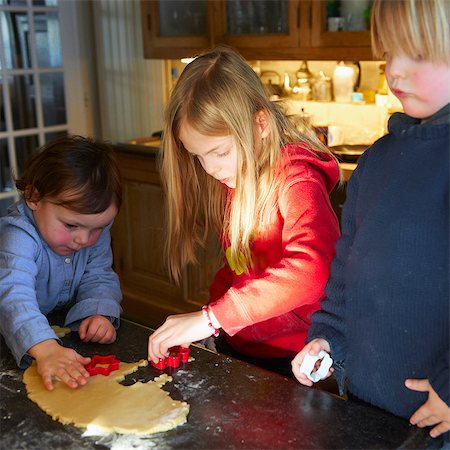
x=386 y=314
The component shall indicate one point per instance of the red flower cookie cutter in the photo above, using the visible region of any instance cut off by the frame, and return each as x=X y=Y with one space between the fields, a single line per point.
x=109 y=362
x=176 y=356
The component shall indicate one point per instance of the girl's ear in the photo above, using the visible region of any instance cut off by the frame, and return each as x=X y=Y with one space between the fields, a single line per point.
x=31 y=197
x=262 y=123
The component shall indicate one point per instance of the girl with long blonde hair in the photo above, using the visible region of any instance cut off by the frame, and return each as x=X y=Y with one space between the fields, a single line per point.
x=235 y=164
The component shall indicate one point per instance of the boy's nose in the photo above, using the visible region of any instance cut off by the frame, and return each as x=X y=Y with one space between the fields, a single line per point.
x=396 y=68
x=82 y=238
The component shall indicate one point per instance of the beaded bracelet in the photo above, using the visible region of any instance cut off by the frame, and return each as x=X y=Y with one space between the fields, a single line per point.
x=208 y=319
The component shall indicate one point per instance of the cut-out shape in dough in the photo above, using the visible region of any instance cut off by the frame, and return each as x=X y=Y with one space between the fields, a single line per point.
x=105 y=405
x=61 y=331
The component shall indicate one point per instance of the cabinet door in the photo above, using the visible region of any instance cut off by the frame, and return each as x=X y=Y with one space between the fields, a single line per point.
x=138 y=237
x=175 y=28
x=341 y=23
x=263 y=26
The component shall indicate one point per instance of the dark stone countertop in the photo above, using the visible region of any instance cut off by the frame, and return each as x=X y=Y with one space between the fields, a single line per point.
x=232 y=405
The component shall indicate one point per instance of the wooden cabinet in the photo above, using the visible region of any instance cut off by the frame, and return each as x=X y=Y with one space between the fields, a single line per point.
x=138 y=237
x=259 y=29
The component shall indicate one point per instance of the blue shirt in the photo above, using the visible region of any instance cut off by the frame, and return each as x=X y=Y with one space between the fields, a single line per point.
x=34 y=281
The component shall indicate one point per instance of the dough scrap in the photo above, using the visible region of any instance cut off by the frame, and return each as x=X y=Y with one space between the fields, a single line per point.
x=104 y=405
x=61 y=331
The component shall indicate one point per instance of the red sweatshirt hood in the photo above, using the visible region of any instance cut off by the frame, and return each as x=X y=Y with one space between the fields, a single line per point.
x=324 y=163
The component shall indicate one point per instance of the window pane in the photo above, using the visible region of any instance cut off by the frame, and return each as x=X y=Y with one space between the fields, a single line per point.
x=45 y=3
x=48 y=42
x=21 y=90
x=182 y=18
x=348 y=15
x=257 y=16
x=2 y=109
x=6 y=183
x=13 y=2
x=25 y=145
x=14 y=27
x=53 y=101
x=56 y=134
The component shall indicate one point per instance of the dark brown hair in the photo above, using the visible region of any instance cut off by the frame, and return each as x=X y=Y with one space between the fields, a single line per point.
x=75 y=172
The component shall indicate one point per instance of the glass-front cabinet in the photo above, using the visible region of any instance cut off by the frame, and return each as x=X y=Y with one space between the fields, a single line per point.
x=259 y=24
x=340 y=23
x=259 y=29
x=176 y=27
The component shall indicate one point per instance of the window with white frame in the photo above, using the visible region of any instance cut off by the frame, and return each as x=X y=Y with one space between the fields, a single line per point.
x=32 y=95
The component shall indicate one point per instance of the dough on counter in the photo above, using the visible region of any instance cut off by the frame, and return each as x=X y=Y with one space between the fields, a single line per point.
x=61 y=331
x=105 y=405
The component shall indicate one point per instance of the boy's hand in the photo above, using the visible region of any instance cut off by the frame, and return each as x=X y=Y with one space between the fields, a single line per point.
x=54 y=360
x=182 y=329
x=433 y=412
x=313 y=348
x=97 y=329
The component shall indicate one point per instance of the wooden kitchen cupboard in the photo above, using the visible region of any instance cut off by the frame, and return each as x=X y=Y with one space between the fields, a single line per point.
x=259 y=29
x=138 y=237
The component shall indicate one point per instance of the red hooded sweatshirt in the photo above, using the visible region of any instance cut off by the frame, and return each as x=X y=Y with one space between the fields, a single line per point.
x=266 y=313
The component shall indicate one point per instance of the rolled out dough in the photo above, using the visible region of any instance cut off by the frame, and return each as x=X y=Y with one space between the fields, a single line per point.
x=104 y=405
x=61 y=331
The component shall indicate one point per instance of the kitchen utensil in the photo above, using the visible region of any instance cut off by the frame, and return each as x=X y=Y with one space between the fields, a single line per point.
x=343 y=83
x=348 y=153
x=335 y=136
x=176 y=356
x=272 y=81
x=336 y=24
x=309 y=362
x=321 y=90
x=302 y=89
x=356 y=13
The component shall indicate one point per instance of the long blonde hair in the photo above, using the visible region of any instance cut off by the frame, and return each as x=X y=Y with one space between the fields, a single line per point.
x=413 y=28
x=219 y=94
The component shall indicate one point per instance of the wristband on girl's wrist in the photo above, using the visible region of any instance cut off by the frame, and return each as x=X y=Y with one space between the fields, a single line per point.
x=208 y=319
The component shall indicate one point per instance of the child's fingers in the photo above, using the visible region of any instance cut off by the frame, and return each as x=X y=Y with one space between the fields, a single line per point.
x=439 y=429
x=428 y=421
x=303 y=379
x=316 y=348
x=420 y=385
x=82 y=329
x=83 y=360
x=47 y=380
x=157 y=348
x=93 y=331
x=73 y=376
x=109 y=337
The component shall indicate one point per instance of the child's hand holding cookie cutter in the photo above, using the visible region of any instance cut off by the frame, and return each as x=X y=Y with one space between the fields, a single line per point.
x=309 y=362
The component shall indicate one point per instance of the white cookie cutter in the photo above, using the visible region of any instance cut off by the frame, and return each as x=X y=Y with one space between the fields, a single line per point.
x=309 y=362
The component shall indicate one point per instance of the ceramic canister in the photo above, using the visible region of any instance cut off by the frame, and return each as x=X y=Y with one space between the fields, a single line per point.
x=343 y=83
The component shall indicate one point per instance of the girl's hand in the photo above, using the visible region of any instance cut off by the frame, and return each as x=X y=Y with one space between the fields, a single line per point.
x=97 y=329
x=182 y=329
x=53 y=360
x=433 y=412
x=313 y=348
